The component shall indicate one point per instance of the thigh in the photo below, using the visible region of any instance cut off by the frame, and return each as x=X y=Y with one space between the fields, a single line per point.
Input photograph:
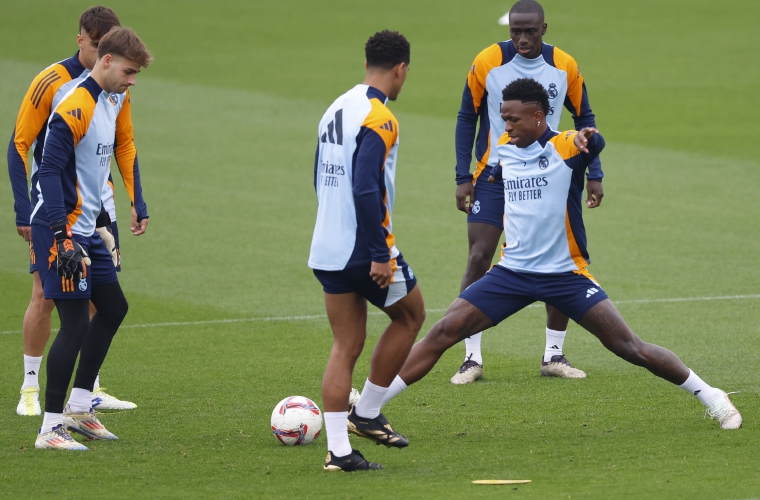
x=488 y=207
x=499 y=294
x=574 y=294
x=347 y=313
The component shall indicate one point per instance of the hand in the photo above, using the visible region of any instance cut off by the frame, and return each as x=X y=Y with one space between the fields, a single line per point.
x=594 y=193
x=582 y=137
x=381 y=273
x=137 y=228
x=464 y=191
x=71 y=259
x=25 y=232
x=107 y=236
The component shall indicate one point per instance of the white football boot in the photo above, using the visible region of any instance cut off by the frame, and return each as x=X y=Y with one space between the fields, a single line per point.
x=724 y=410
x=29 y=403
x=57 y=439
x=559 y=366
x=86 y=424
x=469 y=372
x=101 y=400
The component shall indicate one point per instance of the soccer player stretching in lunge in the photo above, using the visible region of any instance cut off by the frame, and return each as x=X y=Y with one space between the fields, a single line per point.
x=75 y=165
x=354 y=254
x=544 y=257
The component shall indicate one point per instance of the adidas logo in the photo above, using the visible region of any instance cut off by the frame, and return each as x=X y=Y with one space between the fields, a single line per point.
x=697 y=392
x=76 y=113
x=335 y=126
x=31 y=373
x=387 y=126
x=591 y=291
x=554 y=347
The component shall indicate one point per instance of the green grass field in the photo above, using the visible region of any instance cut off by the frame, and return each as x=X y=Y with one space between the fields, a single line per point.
x=226 y=319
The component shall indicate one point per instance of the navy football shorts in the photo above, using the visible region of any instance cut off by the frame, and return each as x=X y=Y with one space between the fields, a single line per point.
x=501 y=292
x=357 y=279
x=33 y=257
x=488 y=206
x=100 y=272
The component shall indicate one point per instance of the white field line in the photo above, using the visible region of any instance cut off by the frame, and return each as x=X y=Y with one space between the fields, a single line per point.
x=324 y=316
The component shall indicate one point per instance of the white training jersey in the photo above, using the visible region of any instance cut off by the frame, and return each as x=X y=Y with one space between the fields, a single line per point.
x=354 y=174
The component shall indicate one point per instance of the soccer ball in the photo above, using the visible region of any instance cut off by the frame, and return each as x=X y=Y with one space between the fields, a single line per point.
x=296 y=420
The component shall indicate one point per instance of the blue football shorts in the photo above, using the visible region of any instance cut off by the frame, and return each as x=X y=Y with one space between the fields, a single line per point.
x=357 y=279
x=100 y=272
x=488 y=206
x=33 y=257
x=501 y=292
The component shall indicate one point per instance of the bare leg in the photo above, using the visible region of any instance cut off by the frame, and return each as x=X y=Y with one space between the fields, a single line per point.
x=37 y=320
x=483 y=239
x=605 y=322
x=461 y=320
x=555 y=320
x=407 y=316
x=347 y=313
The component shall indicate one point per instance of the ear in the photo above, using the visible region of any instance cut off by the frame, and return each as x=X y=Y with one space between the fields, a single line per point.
x=80 y=41
x=107 y=60
x=543 y=29
x=539 y=115
x=365 y=65
x=400 y=69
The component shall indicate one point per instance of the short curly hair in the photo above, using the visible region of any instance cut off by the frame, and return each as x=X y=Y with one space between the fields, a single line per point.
x=527 y=90
x=385 y=49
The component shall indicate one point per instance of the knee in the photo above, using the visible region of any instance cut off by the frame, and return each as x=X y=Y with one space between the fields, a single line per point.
x=445 y=333
x=351 y=349
x=479 y=258
x=115 y=310
x=633 y=352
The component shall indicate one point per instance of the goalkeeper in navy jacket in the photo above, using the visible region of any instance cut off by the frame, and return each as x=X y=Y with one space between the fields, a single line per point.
x=75 y=164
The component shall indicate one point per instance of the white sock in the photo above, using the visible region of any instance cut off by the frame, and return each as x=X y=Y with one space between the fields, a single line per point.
x=397 y=387
x=697 y=387
x=371 y=401
x=50 y=420
x=97 y=382
x=472 y=348
x=554 y=341
x=32 y=371
x=80 y=400
x=337 y=433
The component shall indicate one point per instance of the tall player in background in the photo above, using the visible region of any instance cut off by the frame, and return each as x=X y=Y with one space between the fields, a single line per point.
x=79 y=268
x=525 y=55
x=354 y=255
x=44 y=94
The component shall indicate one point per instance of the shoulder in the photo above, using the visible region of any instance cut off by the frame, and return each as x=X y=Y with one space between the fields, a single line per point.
x=77 y=109
x=504 y=139
x=381 y=120
x=564 y=144
x=47 y=82
x=493 y=56
x=561 y=59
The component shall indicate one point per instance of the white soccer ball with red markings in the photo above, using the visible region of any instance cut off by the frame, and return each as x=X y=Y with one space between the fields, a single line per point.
x=296 y=421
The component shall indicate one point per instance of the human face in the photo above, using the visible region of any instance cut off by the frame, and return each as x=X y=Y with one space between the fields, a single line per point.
x=527 y=31
x=525 y=122
x=399 y=77
x=119 y=73
x=88 y=49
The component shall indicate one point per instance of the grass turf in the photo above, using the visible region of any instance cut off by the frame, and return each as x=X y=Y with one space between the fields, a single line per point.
x=225 y=126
